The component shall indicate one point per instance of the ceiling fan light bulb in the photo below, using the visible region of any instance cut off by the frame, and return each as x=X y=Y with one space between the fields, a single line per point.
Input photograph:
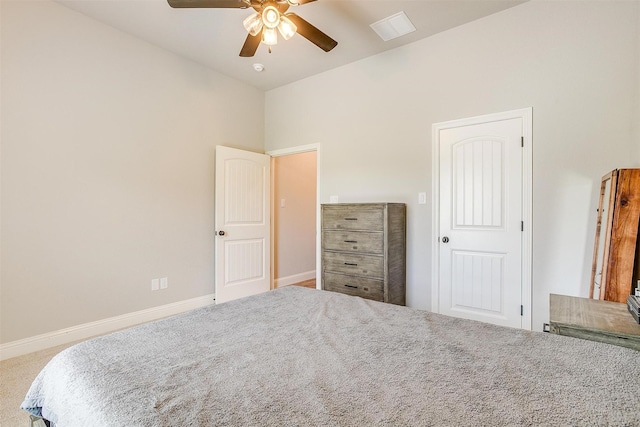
x=269 y=36
x=287 y=28
x=253 y=24
x=270 y=17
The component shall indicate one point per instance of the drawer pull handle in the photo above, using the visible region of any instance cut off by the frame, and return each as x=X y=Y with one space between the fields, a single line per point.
x=351 y=241
x=351 y=219
x=351 y=264
x=351 y=286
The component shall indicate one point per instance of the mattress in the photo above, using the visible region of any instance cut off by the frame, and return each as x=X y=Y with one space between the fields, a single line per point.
x=298 y=356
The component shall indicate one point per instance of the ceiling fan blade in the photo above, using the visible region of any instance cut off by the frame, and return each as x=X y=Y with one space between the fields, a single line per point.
x=236 y=4
x=312 y=34
x=282 y=7
x=251 y=45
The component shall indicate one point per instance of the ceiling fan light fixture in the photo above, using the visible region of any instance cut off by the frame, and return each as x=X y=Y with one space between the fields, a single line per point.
x=270 y=17
x=253 y=24
x=287 y=28
x=265 y=21
x=269 y=36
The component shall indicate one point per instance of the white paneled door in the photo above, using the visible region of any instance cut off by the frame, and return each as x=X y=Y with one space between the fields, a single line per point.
x=481 y=222
x=242 y=224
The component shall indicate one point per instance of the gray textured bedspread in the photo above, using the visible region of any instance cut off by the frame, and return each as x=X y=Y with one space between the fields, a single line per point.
x=298 y=357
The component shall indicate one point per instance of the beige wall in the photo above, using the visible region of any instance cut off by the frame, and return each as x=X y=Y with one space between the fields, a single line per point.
x=295 y=223
x=575 y=63
x=107 y=147
x=107 y=169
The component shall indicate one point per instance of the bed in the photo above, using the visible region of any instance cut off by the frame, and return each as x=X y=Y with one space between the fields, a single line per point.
x=297 y=356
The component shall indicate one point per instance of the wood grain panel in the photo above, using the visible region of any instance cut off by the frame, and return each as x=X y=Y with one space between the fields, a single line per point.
x=346 y=217
x=396 y=255
x=353 y=241
x=624 y=236
x=601 y=242
x=361 y=265
x=364 y=241
x=354 y=285
x=594 y=320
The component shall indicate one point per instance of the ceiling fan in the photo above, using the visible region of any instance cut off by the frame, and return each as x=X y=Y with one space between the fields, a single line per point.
x=270 y=15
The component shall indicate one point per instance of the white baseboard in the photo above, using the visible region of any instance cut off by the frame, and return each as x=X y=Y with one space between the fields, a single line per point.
x=88 y=330
x=290 y=280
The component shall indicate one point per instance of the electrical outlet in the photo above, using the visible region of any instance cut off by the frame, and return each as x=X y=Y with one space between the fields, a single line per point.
x=155 y=284
x=164 y=283
x=333 y=199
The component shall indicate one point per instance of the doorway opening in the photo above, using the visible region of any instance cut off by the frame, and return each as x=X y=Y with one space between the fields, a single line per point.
x=294 y=216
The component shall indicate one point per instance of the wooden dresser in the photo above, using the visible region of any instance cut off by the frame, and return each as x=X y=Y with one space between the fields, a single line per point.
x=363 y=250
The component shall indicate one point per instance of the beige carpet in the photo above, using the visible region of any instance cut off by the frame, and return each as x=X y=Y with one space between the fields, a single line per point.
x=16 y=375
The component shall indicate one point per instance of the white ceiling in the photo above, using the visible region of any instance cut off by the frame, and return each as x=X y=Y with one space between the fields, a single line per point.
x=213 y=37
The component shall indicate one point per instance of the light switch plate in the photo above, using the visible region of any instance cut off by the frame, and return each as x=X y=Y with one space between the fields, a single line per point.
x=422 y=198
x=164 y=283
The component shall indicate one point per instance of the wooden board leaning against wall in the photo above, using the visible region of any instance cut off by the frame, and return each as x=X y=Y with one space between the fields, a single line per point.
x=616 y=259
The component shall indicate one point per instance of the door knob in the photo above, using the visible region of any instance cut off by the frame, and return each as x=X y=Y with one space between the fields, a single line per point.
x=220 y=233
x=445 y=239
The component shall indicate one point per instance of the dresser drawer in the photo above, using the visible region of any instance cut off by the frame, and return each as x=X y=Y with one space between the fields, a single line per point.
x=353 y=241
x=349 y=218
x=360 y=265
x=356 y=286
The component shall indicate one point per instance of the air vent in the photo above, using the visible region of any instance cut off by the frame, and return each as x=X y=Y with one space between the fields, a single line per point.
x=393 y=26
